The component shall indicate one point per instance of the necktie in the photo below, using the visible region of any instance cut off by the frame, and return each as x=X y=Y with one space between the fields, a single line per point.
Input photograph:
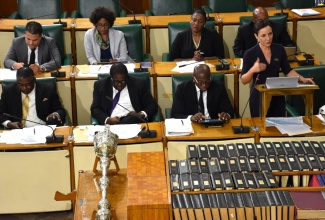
x=201 y=103
x=115 y=100
x=32 y=57
x=25 y=105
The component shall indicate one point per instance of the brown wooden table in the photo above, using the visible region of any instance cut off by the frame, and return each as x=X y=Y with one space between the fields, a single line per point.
x=8 y=24
x=267 y=94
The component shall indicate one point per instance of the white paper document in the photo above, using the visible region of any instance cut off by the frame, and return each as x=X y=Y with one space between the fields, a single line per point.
x=186 y=66
x=7 y=74
x=93 y=70
x=289 y=125
x=178 y=127
x=305 y=12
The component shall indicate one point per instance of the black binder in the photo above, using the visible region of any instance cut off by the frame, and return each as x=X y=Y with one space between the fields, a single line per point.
x=174 y=182
x=251 y=149
x=185 y=182
x=222 y=151
x=196 y=182
x=308 y=148
x=224 y=167
x=233 y=164
x=242 y=151
x=298 y=147
x=294 y=163
x=203 y=166
x=173 y=167
x=304 y=162
x=260 y=180
x=264 y=163
x=250 y=180
x=321 y=160
x=191 y=151
x=285 y=166
x=214 y=165
x=227 y=180
x=212 y=151
x=254 y=164
x=183 y=167
x=203 y=151
x=314 y=162
x=243 y=164
x=270 y=149
x=274 y=163
x=217 y=181
x=270 y=180
x=206 y=182
x=318 y=148
x=239 y=181
x=279 y=148
x=260 y=149
x=232 y=150
x=193 y=165
x=290 y=150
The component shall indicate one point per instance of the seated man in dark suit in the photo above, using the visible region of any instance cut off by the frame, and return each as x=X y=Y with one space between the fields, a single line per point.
x=32 y=50
x=116 y=99
x=245 y=38
x=202 y=98
x=31 y=100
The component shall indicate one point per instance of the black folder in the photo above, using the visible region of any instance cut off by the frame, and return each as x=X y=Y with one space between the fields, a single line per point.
x=203 y=166
x=242 y=151
x=279 y=148
x=270 y=180
x=173 y=167
x=217 y=182
x=251 y=149
x=264 y=163
x=193 y=165
x=227 y=180
x=260 y=180
x=174 y=182
x=214 y=165
x=203 y=151
x=222 y=151
x=185 y=182
x=254 y=164
x=232 y=150
x=206 y=182
x=233 y=164
x=250 y=180
x=270 y=148
x=224 y=166
x=239 y=181
x=196 y=182
x=318 y=148
x=243 y=164
x=298 y=147
x=314 y=162
x=274 y=163
x=183 y=167
x=290 y=150
x=260 y=149
x=191 y=151
x=308 y=148
x=212 y=151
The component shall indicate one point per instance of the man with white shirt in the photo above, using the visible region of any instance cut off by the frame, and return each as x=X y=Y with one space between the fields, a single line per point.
x=202 y=98
x=31 y=100
x=31 y=50
x=120 y=90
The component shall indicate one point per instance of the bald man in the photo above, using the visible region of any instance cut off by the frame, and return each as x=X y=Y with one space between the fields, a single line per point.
x=216 y=103
x=245 y=38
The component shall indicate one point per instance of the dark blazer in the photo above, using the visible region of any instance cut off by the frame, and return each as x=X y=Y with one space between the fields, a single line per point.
x=47 y=101
x=18 y=52
x=185 y=101
x=140 y=97
x=245 y=38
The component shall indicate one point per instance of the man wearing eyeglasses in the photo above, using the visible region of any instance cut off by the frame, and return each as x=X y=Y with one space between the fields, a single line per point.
x=202 y=98
x=117 y=98
x=31 y=100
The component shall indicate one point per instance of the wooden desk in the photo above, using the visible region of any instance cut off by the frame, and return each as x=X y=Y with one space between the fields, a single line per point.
x=89 y=194
x=33 y=172
x=266 y=96
x=8 y=24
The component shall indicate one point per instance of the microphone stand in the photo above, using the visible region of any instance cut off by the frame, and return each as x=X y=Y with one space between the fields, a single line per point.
x=64 y=24
x=143 y=134
x=244 y=129
x=134 y=21
x=49 y=139
x=57 y=73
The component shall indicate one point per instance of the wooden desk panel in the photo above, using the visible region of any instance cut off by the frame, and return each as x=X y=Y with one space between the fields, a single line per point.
x=89 y=194
x=8 y=24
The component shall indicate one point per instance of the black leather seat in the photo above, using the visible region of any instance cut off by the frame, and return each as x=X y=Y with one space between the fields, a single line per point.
x=170 y=7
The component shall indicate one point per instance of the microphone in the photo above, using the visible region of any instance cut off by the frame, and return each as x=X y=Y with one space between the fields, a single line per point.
x=134 y=21
x=57 y=73
x=143 y=134
x=64 y=24
x=41 y=16
x=281 y=13
x=49 y=139
x=244 y=129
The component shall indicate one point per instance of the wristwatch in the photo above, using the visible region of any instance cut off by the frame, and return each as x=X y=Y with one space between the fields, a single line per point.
x=42 y=68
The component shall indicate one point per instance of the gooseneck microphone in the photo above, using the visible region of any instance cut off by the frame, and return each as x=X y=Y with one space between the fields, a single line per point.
x=134 y=21
x=57 y=73
x=244 y=129
x=144 y=134
x=64 y=24
x=49 y=139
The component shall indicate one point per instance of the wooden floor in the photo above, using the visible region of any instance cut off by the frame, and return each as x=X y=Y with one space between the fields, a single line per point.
x=64 y=215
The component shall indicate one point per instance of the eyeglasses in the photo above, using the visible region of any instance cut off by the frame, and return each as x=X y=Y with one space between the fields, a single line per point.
x=116 y=82
x=102 y=25
x=201 y=83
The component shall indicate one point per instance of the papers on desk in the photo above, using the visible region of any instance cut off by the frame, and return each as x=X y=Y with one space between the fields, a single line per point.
x=321 y=118
x=305 y=12
x=7 y=74
x=30 y=135
x=186 y=66
x=289 y=125
x=94 y=70
x=178 y=127
x=125 y=131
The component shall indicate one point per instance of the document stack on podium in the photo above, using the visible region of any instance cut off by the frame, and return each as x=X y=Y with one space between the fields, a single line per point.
x=178 y=127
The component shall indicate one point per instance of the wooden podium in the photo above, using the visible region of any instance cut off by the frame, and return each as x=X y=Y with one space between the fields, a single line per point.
x=266 y=96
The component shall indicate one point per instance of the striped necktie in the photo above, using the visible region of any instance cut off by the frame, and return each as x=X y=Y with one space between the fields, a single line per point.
x=25 y=109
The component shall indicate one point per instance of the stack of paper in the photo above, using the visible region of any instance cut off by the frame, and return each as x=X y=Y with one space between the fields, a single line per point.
x=178 y=127
x=289 y=125
x=305 y=12
x=89 y=70
x=186 y=66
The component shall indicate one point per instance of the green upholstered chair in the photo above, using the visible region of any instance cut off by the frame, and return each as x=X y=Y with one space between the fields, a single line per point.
x=170 y=7
x=39 y=9
x=142 y=75
x=176 y=27
x=49 y=80
x=56 y=32
x=179 y=78
x=294 y=4
x=85 y=7
x=134 y=41
x=295 y=105
x=219 y=6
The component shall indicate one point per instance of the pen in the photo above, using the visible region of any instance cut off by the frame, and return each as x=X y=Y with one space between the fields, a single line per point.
x=34 y=131
x=188 y=64
x=182 y=122
x=99 y=68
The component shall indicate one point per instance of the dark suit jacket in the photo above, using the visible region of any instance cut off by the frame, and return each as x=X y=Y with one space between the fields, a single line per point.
x=140 y=97
x=18 y=52
x=245 y=38
x=47 y=101
x=185 y=101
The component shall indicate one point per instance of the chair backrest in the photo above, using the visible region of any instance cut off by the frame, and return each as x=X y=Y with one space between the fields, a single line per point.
x=85 y=7
x=227 y=5
x=170 y=7
x=54 y=31
x=281 y=19
x=50 y=80
x=176 y=27
x=294 y=4
x=134 y=40
x=40 y=9
x=179 y=78
x=317 y=73
x=142 y=75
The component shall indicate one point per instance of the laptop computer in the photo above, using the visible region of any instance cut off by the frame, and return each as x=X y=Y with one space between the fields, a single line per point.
x=291 y=53
x=282 y=82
